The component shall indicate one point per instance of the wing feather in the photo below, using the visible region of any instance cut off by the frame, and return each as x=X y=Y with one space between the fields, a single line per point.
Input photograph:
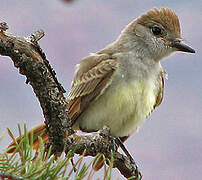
x=159 y=97
x=89 y=84
x=161 y=90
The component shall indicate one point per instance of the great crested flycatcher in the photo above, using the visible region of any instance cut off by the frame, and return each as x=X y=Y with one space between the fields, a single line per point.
x=123 y=83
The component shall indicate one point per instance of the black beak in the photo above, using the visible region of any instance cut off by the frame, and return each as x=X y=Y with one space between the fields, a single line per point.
x=182 y=47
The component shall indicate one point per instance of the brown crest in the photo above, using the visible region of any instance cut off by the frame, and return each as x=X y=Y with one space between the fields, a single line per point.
x=164 y=16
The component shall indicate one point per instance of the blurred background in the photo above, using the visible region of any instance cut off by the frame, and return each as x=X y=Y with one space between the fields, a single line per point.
x=169 y=144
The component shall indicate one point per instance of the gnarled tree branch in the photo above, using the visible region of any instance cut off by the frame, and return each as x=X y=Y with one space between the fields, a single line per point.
x=31 y=61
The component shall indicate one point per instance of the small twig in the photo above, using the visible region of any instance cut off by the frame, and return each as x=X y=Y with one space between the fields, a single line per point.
x=125 y=151
x=35 y=37
x=3 y=26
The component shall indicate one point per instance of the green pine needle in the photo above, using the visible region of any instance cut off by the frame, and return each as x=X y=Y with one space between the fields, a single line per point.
x=26 y=163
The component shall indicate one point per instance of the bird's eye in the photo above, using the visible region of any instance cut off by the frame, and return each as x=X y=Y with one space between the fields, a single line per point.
x=156 y=30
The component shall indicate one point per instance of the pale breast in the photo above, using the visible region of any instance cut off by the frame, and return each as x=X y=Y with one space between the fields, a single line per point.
x=122 y=107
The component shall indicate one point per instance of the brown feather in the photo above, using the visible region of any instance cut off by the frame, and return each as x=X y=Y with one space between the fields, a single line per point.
x=159 y=97
x=74 y=108
x=161 y=90
x=86 y=64
x=90 y=84
x=37 y=131
x=164 y=16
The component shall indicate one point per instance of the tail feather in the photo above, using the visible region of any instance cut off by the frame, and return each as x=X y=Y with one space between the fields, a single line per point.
x=37 y=131
x=41 y=131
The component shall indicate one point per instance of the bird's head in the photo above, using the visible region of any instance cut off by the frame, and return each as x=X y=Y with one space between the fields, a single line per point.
x=158 y=30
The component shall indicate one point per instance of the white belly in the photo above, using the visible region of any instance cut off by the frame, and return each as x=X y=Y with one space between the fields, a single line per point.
x=123 y=108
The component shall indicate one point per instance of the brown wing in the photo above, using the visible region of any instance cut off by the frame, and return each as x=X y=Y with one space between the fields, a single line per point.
x=161 y=90
x=93 y=75
x=159 y=97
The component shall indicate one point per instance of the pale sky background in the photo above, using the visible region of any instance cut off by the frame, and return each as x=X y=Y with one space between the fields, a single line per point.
x=169 y=144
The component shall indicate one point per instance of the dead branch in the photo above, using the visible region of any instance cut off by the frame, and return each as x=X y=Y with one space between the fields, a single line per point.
x=28 y=57
x=102 y=142
x=31 y=62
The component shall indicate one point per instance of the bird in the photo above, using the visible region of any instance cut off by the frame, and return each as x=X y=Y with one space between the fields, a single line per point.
x=120 y=85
